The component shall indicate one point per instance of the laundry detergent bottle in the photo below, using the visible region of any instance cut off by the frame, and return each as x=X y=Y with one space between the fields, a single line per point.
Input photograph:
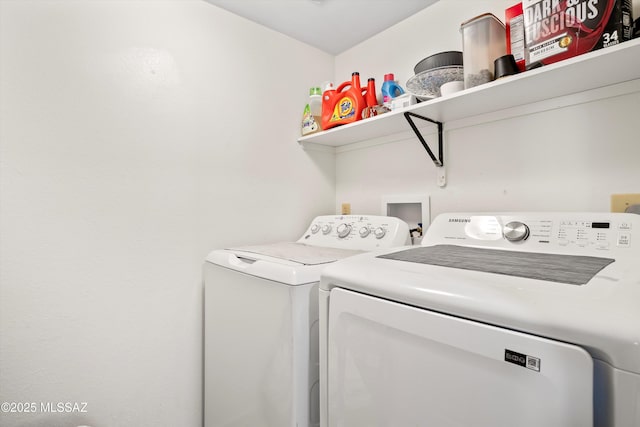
x=390 y=89
x=370 y=93
x=344 y=104
x=311 y=116
x=371 y=99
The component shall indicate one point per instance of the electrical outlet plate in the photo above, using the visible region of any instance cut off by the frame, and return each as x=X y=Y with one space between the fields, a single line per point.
x=346 y=209
x=620 y=202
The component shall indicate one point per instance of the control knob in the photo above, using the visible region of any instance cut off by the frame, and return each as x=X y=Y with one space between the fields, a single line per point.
x=343 y=230
x=364 y=232
x=516 y=231
x=315 y=228
x=379 y=232
x=326 y=229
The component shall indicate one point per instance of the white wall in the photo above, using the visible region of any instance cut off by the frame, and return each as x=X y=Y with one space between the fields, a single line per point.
x=135 y=137
x=571 y=158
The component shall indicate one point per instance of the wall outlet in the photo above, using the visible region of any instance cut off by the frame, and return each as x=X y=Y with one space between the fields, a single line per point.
x=346 y=209
x=620 y=202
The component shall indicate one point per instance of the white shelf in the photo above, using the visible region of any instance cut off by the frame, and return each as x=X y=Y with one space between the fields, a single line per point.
x=594 y=70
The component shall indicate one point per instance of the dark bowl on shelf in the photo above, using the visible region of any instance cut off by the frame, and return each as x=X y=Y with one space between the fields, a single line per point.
x=438 y=60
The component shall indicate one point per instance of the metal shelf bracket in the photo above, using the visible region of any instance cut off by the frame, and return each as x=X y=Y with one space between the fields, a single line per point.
x=439 y=161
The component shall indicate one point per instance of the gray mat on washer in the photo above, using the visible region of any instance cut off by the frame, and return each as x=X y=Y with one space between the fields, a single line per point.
x=570 y=269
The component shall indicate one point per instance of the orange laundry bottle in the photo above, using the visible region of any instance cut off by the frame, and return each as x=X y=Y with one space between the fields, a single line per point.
x=371 y=99
x=344 y=104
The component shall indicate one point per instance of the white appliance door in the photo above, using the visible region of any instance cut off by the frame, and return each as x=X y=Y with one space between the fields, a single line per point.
x=261 y=351
x=394 y=365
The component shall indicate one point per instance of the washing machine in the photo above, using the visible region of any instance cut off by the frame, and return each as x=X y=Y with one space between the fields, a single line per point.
x=261 y=320
x=508 y=319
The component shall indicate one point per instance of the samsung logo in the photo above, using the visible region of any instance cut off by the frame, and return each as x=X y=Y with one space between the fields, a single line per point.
x=459 y=220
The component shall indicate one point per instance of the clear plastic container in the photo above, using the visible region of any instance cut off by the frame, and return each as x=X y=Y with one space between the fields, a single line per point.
x=483 y=41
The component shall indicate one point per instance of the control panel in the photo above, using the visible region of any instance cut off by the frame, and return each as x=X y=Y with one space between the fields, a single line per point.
x=577 y=233
x=359 y=232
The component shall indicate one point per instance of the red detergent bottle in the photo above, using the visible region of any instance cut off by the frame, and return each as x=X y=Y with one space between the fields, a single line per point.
x=344 y=104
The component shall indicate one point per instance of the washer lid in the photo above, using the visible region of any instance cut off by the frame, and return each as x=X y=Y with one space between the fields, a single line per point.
x=569 y=269
x=288 y=263
x=298 y=252
x=602 y=316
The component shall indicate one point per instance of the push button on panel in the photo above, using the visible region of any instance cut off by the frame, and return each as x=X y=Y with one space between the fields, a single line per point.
x=624 y=239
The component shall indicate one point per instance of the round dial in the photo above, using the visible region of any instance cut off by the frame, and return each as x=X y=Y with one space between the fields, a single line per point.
x=326 y=229
x=516 y=231
x=343 y=230
x=379 y=232
x=315 y=228
x=364 y=232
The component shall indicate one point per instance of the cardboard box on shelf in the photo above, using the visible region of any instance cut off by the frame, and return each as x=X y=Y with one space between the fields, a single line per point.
x=514 y=22
x=560 y=29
